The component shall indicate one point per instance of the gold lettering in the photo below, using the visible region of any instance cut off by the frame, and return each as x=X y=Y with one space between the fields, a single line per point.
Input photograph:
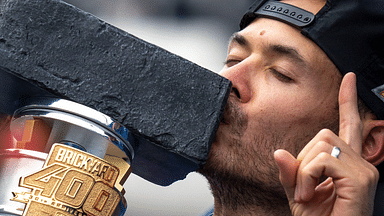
x=96 y=168
x=60 y=155
x=110 y=174
x=92 y=164
x=84 y=164
x=73 y=158
x=76 y=162
x=67 y=157
x=103 y=170
x=81 y=183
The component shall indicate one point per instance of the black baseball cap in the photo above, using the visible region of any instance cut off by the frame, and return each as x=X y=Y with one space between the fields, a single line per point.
x=350 y=32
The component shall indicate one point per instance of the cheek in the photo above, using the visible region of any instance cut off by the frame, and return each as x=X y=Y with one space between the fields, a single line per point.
x=291 y=111
x=276 y=103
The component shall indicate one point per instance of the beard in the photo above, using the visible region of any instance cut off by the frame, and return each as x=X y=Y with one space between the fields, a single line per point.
x=245 y=174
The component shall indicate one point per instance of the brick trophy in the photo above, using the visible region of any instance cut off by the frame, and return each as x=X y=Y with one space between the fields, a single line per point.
x=86 y=103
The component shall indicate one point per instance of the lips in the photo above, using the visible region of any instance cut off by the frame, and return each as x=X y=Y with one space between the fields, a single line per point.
x=234 y=116
x=229 y=113
x=226 y=114
x=223 y=120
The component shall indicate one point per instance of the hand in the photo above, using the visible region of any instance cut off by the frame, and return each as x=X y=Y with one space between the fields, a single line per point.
x=351 y=181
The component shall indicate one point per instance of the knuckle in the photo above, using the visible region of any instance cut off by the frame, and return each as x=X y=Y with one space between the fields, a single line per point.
x=369 y=177
x=306 y=172
x=365 y=179
x=323 y=145
x=326 y=134
x=377 y=174
x=324 y=131
x=358 y=124
x=374 y=174
x=351 y=122
x=323 y=156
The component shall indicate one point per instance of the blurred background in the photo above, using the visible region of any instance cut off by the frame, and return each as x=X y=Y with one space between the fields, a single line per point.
x=197 y=30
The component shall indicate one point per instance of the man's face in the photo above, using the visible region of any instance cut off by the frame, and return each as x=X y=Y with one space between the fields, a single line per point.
x=285 y=90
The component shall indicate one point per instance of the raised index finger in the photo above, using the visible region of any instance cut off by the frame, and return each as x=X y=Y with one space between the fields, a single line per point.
x=350 y=123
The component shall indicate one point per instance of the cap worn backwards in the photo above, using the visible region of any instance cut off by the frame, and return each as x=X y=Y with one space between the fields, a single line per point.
x=350 y=32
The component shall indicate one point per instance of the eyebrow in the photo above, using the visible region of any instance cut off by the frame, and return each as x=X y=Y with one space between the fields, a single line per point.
x=289 y=52
x=282 y=50
x=239 y=39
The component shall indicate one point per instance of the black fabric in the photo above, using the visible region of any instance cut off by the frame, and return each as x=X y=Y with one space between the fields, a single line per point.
x=351 y=33
x=277 y=10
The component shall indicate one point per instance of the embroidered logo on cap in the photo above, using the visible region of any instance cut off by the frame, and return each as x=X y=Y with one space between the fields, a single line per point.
x=379 y=92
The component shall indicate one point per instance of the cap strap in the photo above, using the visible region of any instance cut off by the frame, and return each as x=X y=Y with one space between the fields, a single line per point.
x=278 y=10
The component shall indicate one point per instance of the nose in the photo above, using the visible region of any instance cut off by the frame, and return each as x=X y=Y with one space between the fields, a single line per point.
x=241 y=82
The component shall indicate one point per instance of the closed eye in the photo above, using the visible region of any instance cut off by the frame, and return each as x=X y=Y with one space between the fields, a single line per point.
x=231 y=62
x=281 y=76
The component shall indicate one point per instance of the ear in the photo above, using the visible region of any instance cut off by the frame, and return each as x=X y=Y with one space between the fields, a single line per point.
x=373 y=146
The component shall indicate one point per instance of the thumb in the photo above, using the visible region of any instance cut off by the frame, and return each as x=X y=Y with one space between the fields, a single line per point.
x=288 y=166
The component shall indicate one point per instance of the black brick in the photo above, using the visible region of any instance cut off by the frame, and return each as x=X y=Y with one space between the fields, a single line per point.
x=163 y=99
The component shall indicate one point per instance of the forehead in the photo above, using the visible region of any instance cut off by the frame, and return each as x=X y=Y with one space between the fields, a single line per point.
x=293 y=33
x=265 y=32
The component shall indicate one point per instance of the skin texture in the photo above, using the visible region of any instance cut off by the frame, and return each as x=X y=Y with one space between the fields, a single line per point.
x=285 y=93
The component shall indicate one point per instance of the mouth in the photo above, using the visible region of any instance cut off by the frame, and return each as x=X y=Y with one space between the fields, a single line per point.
x=234 y=116
x=225 y=117
x=229 y=114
